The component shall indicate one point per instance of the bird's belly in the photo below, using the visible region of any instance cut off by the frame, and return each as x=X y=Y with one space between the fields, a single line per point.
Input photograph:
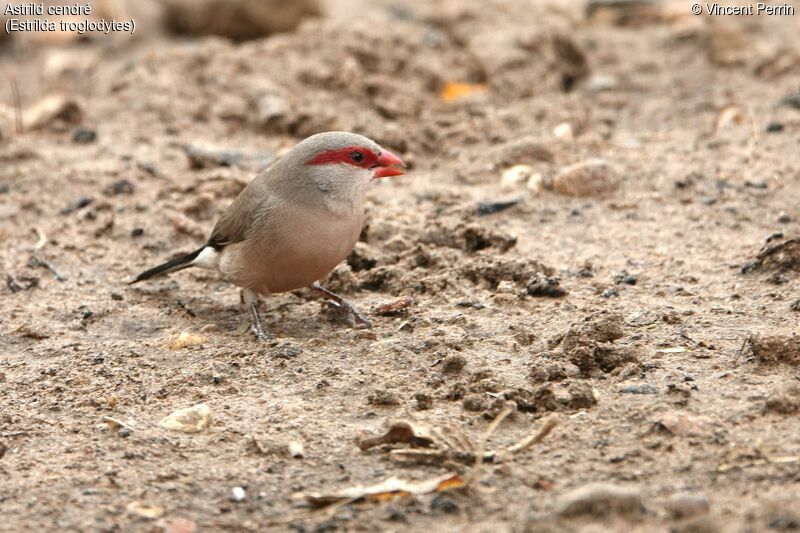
x=297 y=256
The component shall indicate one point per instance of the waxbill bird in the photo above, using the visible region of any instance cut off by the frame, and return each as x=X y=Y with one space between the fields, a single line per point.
x=294 y=222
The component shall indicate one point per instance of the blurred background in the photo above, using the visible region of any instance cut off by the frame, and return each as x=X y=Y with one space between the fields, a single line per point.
x=569 y=160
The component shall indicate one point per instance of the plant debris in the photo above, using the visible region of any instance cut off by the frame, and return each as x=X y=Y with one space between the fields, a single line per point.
x=387 y=490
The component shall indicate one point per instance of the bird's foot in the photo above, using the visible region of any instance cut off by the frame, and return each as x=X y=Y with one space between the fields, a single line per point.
x=350 y=313
x=339 y=304
x=259 y=333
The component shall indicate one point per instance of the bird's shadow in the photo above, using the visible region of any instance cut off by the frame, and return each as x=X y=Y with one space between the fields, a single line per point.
x=298 y=315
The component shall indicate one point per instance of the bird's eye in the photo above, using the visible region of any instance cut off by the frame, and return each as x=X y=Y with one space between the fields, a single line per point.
x=358 y=157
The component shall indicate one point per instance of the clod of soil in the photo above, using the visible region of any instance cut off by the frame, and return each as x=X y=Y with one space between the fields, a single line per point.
x=236 y=19
x=601 y=499
x=785 y=399
x=545 y=286
x=780 y=256
x=589 y=345
x=594 y=177
x=775 y=348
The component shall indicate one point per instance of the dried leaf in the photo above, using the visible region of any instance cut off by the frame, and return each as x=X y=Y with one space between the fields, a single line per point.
x=144 y=510
x=387 y=490
x=186 y=339
x=454 y=90
x=395 y=307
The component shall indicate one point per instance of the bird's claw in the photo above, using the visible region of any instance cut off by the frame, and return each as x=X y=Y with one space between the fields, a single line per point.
x=352 y=315
x=259 y=333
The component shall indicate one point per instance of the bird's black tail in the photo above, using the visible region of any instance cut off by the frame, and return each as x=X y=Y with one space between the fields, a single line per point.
x=173 y=265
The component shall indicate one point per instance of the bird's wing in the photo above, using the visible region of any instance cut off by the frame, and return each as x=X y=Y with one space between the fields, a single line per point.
x=247 y=211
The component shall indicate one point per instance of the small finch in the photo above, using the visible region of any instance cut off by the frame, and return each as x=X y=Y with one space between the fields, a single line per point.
x=294 y=222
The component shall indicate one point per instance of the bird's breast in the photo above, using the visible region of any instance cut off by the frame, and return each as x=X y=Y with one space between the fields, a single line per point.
x=297 y=248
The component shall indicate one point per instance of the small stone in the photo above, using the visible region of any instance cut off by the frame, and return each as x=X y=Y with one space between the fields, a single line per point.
x=599 y=500
x=188 y=420
x=238 y=494
x=424 y=401
x=564 y=131
x=296 y=449
x=506 y=287
x=539 y=285
x=176 y=525
x=475 y=402
x=593 y=177
x=270 y=108
x=80 y=203
x=117 y=297
x=119 y=187
x=601 y=82
x=784 y=218
x=383 y=397
x=785 y=399
x=639 y=389
x=681 y=506
x=286 y=350
x=453 y=363
x=137 y=232
x=84 y=135
x=581 y=395
x=535 y=182
x=625 y=278
x=683 y=424
x=775 y=127
x=611 y=292
x=515 y=175
x=51 y=108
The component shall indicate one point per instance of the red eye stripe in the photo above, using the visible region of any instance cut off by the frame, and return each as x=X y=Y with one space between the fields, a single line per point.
x=345 y=155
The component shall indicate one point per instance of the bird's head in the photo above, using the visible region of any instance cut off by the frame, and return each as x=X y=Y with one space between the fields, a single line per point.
x=341 y=164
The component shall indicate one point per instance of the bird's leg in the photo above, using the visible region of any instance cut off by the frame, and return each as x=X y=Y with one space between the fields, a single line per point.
x=341 y=302
x=250 y=299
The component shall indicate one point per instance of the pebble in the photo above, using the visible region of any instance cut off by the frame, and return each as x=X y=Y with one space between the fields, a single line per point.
x=600 y=499
x=238 y=494
x=474 y=402
x=453 y=363
x=84 y=136
x=639 y=389
x=507 y=287
x=545 y=286
x=610 y=293
x=296 y=449
x=119 y=187
x=564 y=131
x=188 y=420
x=515 y=175
x=593 y=177
x=685 y=505
x=784 y=218
x=627 y=279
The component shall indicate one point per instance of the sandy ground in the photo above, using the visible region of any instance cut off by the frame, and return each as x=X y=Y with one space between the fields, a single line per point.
x=652 y=361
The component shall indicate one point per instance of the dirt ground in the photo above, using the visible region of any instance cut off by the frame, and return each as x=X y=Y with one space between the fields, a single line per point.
x=625 y=299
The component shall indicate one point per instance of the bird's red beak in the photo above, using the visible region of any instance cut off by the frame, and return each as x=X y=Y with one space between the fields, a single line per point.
x=389 y=165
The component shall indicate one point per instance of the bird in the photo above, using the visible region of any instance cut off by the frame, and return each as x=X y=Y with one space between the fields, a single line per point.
x=294 y=222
